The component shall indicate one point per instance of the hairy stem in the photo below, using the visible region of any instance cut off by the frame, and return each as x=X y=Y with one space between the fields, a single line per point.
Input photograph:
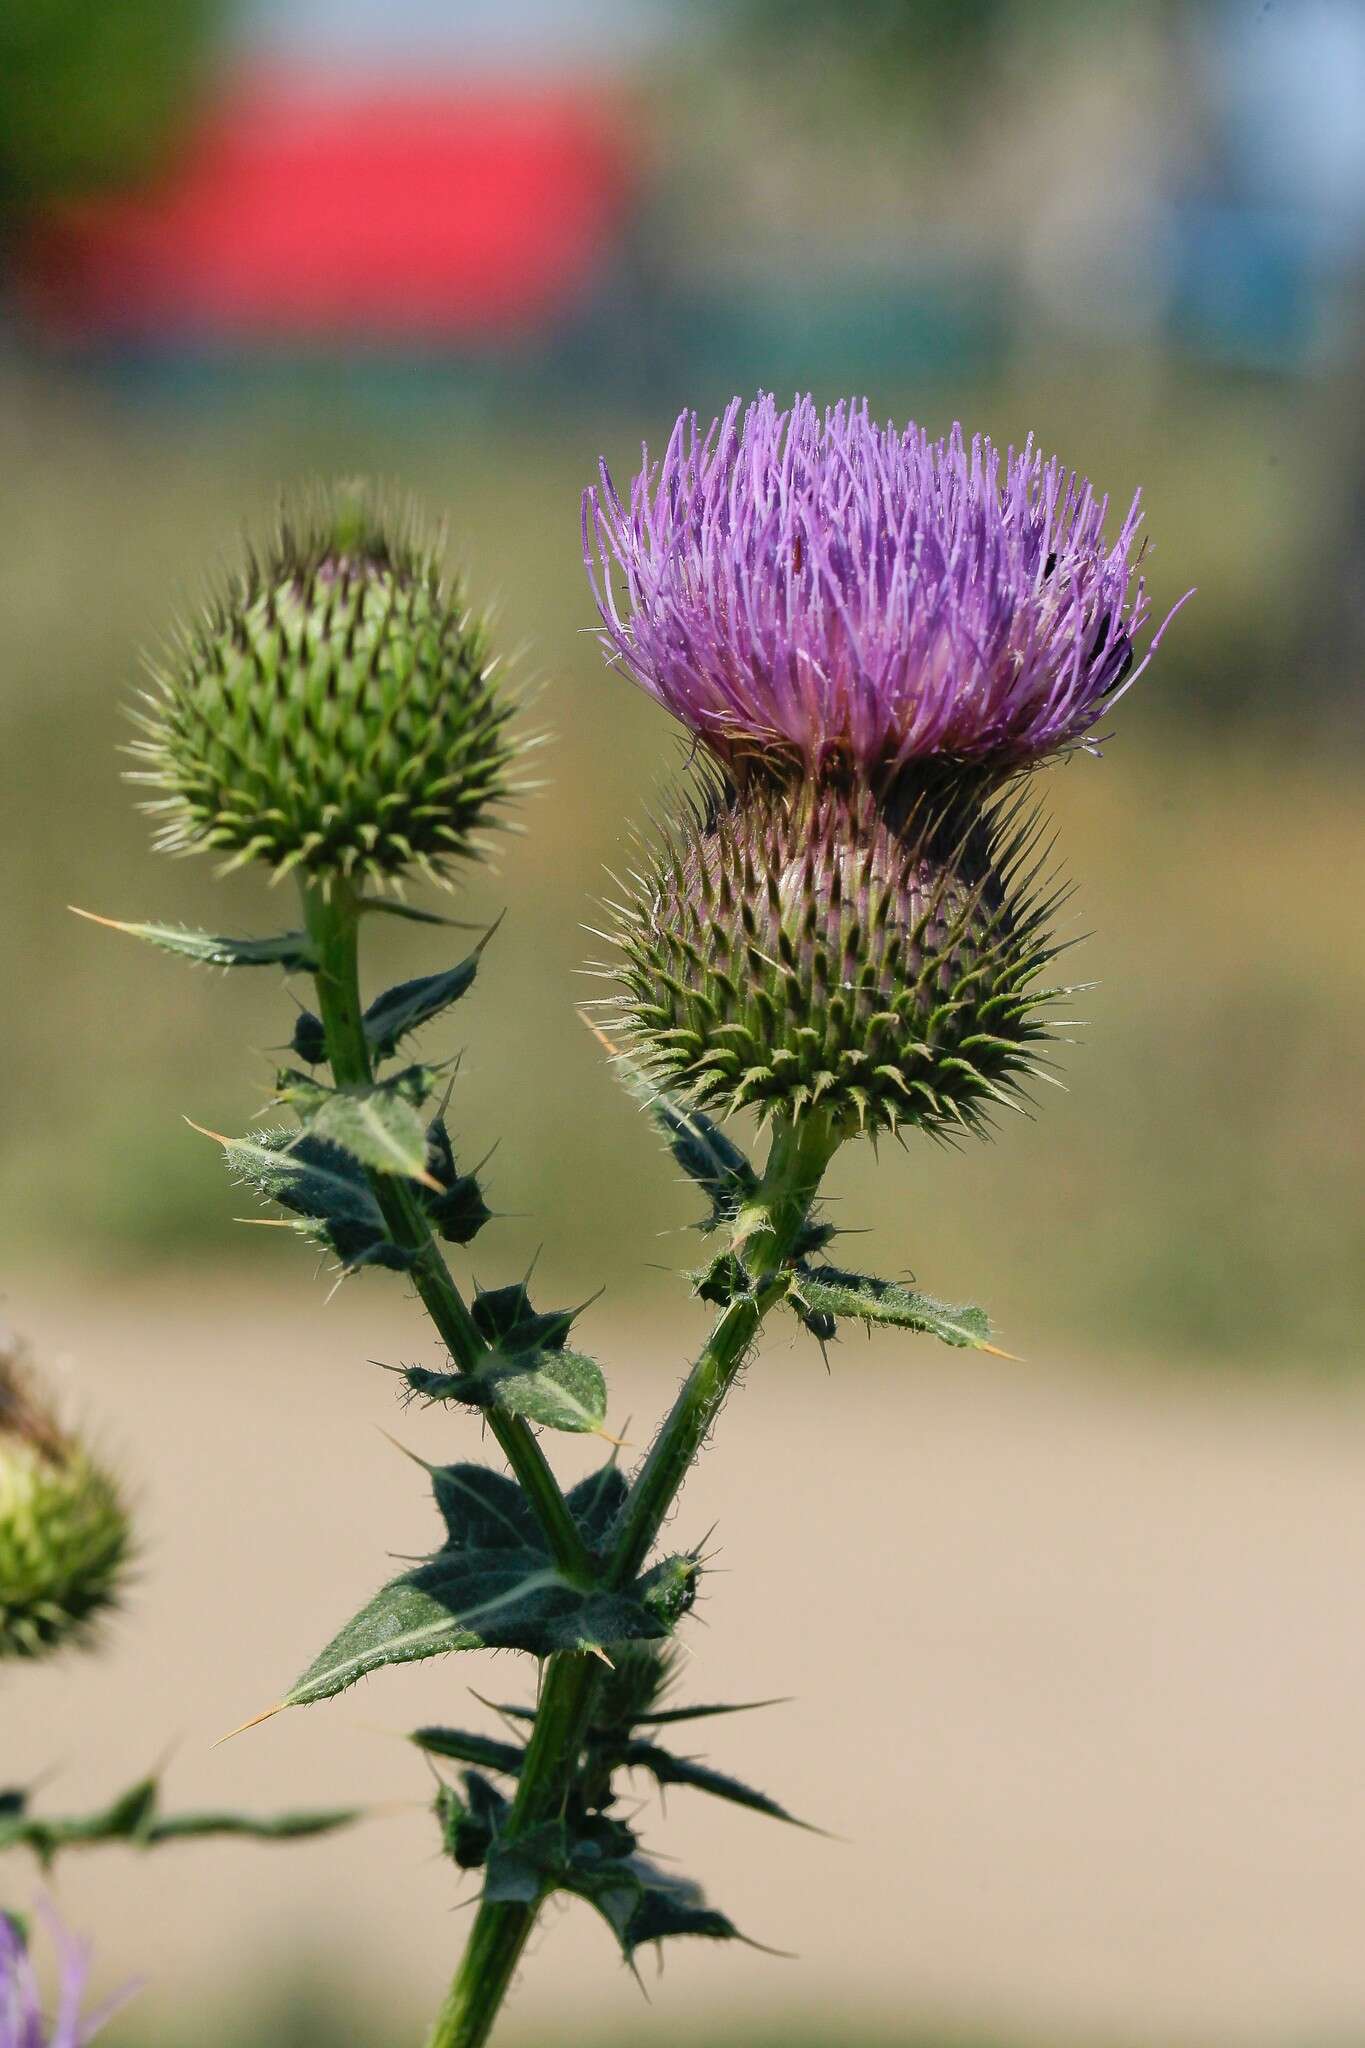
x=767 y=1230
x=333 y=916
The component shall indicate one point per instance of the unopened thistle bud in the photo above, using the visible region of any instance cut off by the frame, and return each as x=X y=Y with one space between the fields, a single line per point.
x=334 y=712
x=798 y=947
x=65 y=1537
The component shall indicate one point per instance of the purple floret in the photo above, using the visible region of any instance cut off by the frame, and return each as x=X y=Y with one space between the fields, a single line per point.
x=23 y=2021
x=839 y=593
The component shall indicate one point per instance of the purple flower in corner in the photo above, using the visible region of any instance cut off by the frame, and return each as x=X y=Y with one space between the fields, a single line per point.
x=845 y=594
x=23 y=2021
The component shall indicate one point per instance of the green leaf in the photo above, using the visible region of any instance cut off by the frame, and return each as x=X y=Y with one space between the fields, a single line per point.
x=410 y=1004
x=470 y=1821
x=700 y=1147
x=293 y=951
x=597 y=1500
x=493 y=1585
x=308 y=1040
x=392 y=906
x=826 y=1291
x=320 y=1184
x=134 y=1818
x=474 y=1600
x=558 y=1389
x=525 y=1371
x=505 y=1318
x=459 y=1210
x=378 y=1123
x=563 y=1390
x=463 y=1747
x=272 y=1827
x=482 y=1509
x=667 y=1769
x=641 y=1903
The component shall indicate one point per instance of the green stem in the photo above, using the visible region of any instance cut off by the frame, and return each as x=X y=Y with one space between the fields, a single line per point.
x=333 y=915
x=767 y=1231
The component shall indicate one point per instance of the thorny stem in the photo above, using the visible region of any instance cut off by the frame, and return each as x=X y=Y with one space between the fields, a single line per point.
x=767 y=1230
x=333 y=914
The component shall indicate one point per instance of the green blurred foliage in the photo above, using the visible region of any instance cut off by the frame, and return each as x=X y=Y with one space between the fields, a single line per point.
x=1199 y=1192
x=123 y=74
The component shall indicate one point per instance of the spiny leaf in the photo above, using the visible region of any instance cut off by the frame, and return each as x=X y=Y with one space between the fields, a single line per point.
x=134 y=1818
x=493 y=1585
x=698 y=1144
x=462 y=1746
x=595 y=1502
x=410 y=1004
x=293 y=951
x=322 y=1185
x=667 y=1769
x=562 y=1390
x=276 y=1827
x=470 y=1821
x=473 y=1600
x=824 y=1290
x=308 y=1040
x=641 y=1903
x=482 y=1509
x=666 y=1716
x=525 y=1370
x=393 y=906
x=504 y=1316
x=459 y=1211
x=378 y=1123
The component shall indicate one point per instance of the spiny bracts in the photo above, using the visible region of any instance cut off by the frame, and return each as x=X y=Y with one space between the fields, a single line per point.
x=65 y=1536
x=801 y=946
x=334 y=712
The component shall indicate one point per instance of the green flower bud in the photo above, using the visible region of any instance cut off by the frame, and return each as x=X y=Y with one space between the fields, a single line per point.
x=65 y=1536
x=790 y=947
x=335 y=711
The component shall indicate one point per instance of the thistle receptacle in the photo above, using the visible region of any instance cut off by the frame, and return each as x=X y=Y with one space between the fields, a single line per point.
x=797 y=946
x=334 y=712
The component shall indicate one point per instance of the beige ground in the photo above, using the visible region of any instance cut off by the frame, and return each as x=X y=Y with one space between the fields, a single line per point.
x=1079 y=1665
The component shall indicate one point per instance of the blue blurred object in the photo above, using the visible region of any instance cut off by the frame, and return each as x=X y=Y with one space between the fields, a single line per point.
x=1269 y=244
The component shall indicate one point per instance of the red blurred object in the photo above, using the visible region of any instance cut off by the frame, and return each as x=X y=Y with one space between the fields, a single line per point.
x=467 y=214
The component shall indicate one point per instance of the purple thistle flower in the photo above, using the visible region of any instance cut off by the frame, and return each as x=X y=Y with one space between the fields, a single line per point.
x=842 y=593
x=23 y=2023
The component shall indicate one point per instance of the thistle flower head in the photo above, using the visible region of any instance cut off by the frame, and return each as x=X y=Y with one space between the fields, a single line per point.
x=24 y=2023
x=820 y=589
x=789 y=948
x=334 y=711
x=65 y=1535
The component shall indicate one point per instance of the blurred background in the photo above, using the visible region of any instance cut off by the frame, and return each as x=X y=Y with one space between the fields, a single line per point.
x=1104 y=1650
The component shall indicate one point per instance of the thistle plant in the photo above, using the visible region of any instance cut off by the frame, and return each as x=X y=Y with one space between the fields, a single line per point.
x=843 y=928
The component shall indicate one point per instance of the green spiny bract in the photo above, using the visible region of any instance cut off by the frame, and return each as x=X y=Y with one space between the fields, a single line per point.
x=65 y=1537
x=794 y=947
x=334 y=712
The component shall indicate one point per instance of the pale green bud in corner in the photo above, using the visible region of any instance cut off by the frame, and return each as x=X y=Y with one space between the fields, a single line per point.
x=65 y=1535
